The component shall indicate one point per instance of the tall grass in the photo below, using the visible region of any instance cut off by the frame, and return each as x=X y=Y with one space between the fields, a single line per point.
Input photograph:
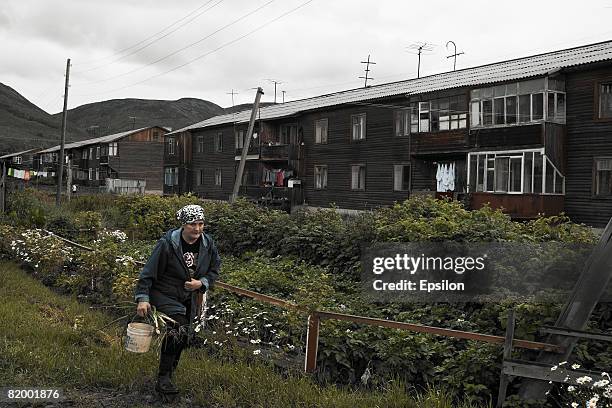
x=48 y=340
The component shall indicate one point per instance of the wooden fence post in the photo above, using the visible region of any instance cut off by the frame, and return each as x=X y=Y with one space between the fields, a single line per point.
x=312 y=343
x=503 y=378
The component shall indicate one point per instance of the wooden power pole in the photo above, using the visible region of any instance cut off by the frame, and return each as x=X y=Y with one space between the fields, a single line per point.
x=246 y=144
x=60 y=170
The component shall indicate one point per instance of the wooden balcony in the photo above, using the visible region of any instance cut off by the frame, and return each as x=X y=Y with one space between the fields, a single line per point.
x=520 y=206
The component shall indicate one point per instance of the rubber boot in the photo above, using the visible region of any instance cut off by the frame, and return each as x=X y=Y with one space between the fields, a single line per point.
x=164 y=383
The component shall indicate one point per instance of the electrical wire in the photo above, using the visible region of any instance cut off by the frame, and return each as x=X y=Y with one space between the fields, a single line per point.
x=207 y=53
x=150 y=37
x=180 y=49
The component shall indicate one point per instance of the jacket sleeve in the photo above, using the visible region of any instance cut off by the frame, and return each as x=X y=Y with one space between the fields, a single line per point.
x=210 y=276
x=157 y=262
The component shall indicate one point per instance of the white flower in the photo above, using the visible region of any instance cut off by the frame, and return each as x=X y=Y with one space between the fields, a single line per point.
x=571 y=388
x=562 y=363
x=583 y=380
x=575 y=366
x=256 y=352
x=290 y=346
x=553 y=368
x=601 y=383
x=593 y=402
x=267 y=325
x=574 y=405
x=256 y=341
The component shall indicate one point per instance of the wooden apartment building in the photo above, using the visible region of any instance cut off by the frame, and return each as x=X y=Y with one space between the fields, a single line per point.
x=532 y=135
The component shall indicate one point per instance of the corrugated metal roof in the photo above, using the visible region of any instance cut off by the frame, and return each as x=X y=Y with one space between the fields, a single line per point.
x=536 y=65
x=97 y=140
x=6 y=156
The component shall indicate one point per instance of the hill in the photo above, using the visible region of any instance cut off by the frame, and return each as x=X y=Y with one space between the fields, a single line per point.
x=24 y=125
x=118 y=115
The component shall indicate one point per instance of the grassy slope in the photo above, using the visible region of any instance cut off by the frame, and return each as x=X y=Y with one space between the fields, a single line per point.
x=40 y=346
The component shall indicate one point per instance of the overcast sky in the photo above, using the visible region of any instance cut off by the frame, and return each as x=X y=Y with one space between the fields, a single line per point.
x=159 y=49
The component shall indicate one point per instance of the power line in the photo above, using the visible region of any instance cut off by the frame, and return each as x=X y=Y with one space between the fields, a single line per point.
x=207 y=53
x=180 y=49
x=152 y=36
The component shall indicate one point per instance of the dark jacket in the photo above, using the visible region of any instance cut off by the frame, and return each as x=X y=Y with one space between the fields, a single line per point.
x=161 y=281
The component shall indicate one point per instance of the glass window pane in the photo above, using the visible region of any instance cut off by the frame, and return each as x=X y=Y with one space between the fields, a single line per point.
x=490 y=173
x=502 y=173
x=549 y=185
x=487 y=112
x=537 y=106
x=533 y=86
x=481 y=173
x=558 y=183
x=515 y=174
x=473 y=163
x=498 y=109
x=524 y=108
x=475 y=118
x=528 y=167
x=537 y=172
x=605 y=101
x=434 y=114
x=511 y=109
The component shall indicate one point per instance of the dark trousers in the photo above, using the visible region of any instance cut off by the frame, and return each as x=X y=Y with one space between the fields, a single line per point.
x=174 y=342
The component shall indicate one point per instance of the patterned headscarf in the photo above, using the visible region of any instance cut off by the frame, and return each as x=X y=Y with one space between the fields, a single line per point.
x=190 y=213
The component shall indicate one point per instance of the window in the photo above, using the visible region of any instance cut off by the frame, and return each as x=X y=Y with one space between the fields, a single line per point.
x=401 y=177
x=528 y=171
x=170 y=143
x=321 y=131
x=218 y=177
x=358 y=126
x=605 y=101
x=90 y=153
x=320 y=176
x=84 y=154
x=239 y=138
x=219 y=142
x=155 y=136
x=439 y=115
x=200 y=144
x=200 y=179
x=402 y=122
x=97 y=173
x=519 y=102
x=176 y=176
x=358 y=173
x=97 y=152
x=112 y=149
x=288 y=134
x=603 y=177
x=17 y=160
x=90 y=175
x=171 y=176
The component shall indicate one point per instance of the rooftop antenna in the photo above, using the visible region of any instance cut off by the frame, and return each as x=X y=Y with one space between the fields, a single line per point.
x=283 y=95
x=232 y=93
x=420 y=47
x=454 y=55
x=367 y=71
x=275 y=83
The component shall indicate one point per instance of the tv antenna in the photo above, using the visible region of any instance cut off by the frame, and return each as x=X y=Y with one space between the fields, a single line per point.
x=275 y=83
x=420 y=47
x=232 y=93
x=367 y=71
x=454 y=55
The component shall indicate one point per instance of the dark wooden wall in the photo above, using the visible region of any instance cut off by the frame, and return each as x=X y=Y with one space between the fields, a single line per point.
x=506 y=138
x=587 y=138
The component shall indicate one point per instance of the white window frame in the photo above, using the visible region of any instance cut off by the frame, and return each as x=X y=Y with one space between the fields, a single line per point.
x=170 y=143
x=358 y=127
x=218 y=177
x=219 y=142
x=547 y=165
x=320 y=176
x=596 y=192
x=97 y=152
x=358 y=181
x=112 y=149
x=401 y=122
x=200 y=148
x=90 y=174
x=321 y=131
x=603 y=86
x=398 y=169
x=239 y=138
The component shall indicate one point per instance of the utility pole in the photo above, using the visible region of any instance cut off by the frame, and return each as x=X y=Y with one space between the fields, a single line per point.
x=367 y=71
x=60 y=172
x=232 y=93
x=283 y=95
x=454 y=55
x=3 y=189
x=420 y=47
x=246 y=144
x=275 y=82
x=69 y=180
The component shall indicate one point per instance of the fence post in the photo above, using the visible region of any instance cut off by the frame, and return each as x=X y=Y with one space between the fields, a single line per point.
x=312 y=343
x=503 y=378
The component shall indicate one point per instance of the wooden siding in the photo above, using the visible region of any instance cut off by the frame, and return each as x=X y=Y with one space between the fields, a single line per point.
x=520 y=206
x=507 y=137
x=379 y=152
x=209 y=160
x=587 y=138
x=140 y=161
x=555 y=144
